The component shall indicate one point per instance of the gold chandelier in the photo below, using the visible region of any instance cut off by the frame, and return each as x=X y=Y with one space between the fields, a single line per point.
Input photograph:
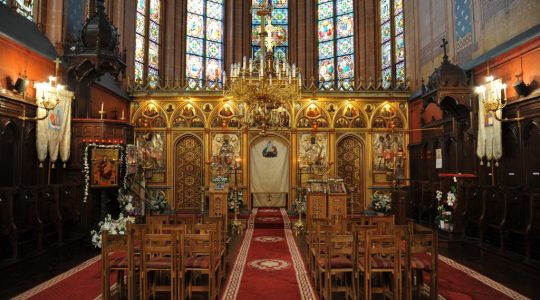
x=265 y=88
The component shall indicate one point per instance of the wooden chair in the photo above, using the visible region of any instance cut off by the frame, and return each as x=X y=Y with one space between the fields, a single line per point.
x=319 y=252
x=117 y=255
x=200 y=256
x=421 y=256
x=223 y=242
x=338 y=261
x=311 y=241
x=159 y=255
x=384 y=224
x=381 y=255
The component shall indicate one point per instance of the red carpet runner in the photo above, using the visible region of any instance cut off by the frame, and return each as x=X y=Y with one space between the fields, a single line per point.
x=457 y=282
x=82 y=283
x=269 y=264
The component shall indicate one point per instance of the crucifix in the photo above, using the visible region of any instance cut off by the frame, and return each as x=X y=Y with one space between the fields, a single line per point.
x=443 y=45
x=57 y=62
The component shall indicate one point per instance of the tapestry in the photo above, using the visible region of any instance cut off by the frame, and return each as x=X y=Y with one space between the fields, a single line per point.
x=489 y=129
x=269 y=166
x=54 y=131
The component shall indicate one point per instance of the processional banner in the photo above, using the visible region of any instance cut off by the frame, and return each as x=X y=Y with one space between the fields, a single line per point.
x=489 y=129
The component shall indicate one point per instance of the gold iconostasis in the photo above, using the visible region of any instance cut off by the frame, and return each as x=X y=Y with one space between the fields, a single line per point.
x=362 y=140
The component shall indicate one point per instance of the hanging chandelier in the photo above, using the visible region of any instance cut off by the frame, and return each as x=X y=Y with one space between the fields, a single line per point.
x=264 y=88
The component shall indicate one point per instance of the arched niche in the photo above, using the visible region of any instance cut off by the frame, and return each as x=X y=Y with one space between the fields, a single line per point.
x=387 y=115
x=187 y=116
x=150 y=115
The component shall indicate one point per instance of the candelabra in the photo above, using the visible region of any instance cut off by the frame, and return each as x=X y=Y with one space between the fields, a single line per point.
x=491 y=97
x=236 y=224
x=300 y=208
x=267 y=87
x=50 y=95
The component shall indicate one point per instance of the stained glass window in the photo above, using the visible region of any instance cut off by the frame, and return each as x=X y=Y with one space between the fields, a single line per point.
x=392 y=41
x=204 y=42
x=147 y=39
x=280 y=28
x=336 y=42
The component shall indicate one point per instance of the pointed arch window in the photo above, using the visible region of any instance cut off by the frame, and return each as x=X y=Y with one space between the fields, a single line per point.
x=280 y=28
x=336 y=42
x=392 y=41
x=147 y=38
x=204 y=41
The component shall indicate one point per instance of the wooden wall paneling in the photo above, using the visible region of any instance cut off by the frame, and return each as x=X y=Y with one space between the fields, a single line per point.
x=531 y=163
x=8 y=229
x=9 y=148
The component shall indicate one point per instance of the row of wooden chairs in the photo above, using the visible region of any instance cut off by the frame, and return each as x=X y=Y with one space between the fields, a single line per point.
x=349 y=254
x=179 y=257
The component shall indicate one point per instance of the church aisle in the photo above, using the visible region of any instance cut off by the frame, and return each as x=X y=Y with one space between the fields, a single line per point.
x=269 y=264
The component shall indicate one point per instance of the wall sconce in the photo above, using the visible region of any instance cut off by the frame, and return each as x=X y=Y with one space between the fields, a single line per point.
x=49 y=97
x=491 y=97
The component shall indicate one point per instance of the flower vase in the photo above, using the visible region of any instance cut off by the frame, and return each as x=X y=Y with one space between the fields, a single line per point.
x=446 y=226
x=441 y=225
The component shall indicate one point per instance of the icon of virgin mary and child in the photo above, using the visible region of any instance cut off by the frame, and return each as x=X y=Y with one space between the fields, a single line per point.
x=270 y=150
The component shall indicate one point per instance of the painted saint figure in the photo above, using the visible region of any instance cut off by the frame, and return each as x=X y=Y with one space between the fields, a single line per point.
x=270 y=150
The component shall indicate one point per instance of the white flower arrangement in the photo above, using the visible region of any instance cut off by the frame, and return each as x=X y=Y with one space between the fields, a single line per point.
x=231 y=198
x=125 y=200
x=381 y=202
x=114 y=226
x=445 y=206
x=158 y=203
x=86 y=165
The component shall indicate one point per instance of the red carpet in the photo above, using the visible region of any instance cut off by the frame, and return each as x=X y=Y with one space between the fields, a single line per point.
x=269 y=265
x=82 y=283
x=457 y=282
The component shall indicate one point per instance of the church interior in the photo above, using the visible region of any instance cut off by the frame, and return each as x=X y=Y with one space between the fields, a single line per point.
x=263 y=149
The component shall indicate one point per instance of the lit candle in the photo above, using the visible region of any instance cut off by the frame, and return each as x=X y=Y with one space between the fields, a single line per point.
x=101 y=106
x=504 y=91
x=250 y=65
x=293 y=70
x=224 y=77
x=244 y=64
x=300 y=80
x=122 y=115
